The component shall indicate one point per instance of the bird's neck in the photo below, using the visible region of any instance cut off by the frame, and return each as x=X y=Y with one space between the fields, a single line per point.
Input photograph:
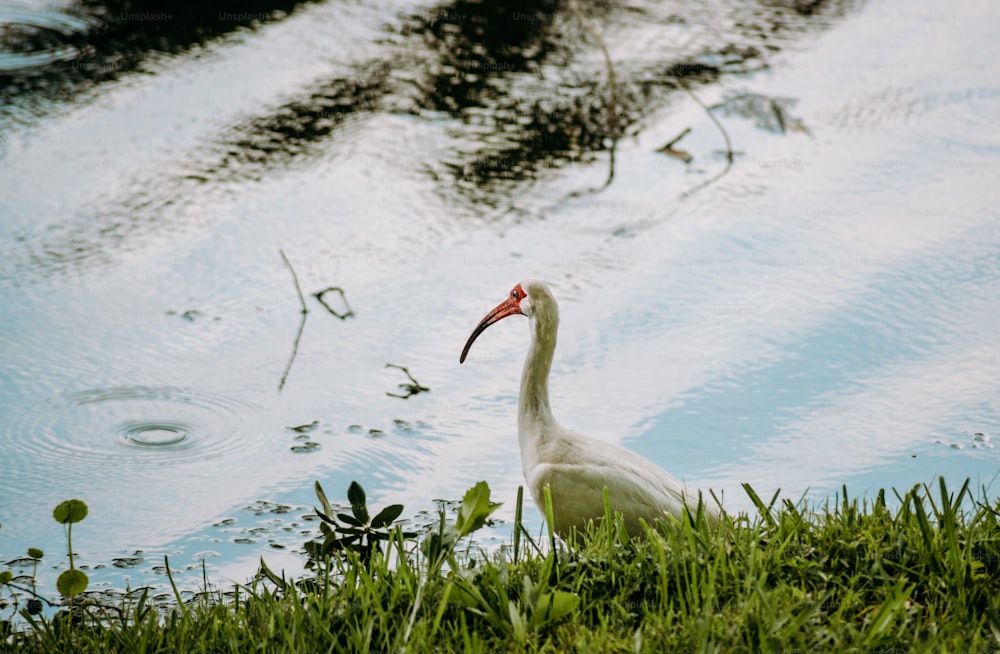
x=535 y=417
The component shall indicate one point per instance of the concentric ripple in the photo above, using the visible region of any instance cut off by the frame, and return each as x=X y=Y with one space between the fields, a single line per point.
x=129 y=425
x=155 y=434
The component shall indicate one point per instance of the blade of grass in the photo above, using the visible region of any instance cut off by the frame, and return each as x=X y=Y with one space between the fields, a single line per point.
x=517 y=523
x=764 y=511
x=893 y=604
x=550 y=518
x=173 y=586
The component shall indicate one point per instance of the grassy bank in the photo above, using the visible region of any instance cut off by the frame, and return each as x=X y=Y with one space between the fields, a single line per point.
x=849 y=576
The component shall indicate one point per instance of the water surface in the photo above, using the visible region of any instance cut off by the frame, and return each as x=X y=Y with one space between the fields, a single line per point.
x=822 y=312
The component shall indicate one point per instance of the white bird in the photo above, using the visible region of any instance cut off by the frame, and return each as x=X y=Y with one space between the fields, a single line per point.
x=577 y=468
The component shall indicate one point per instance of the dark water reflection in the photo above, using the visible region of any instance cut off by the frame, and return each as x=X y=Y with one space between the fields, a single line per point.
x=517 y=82
x=109 y=39
x=820 y=310
x=514 y=73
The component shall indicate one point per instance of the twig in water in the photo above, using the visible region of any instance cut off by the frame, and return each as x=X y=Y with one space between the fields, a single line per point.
x=295 y=278
x=342 y=316
x=302 y=323
x=411 y=389
x=669 y=150
x=725 y=136
x=295 y=351
x=671 y=144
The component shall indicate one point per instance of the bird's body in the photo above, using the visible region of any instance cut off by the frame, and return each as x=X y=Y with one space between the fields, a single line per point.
x=576 y=468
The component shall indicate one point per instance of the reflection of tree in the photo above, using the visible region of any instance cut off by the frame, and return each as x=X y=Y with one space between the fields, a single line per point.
x=110 y=38
x=475 y=44
x=522 y=87
x=556 y=108
x=519 y=76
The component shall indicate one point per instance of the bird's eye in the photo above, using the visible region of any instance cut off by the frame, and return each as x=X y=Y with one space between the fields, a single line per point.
x=514 y=294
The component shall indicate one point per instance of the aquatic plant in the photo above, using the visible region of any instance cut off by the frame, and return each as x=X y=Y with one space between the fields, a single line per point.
x=354 y=531
x=70 y=584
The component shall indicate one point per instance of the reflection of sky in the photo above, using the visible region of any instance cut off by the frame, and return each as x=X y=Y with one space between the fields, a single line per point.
x=818 y=317
x=853 y=386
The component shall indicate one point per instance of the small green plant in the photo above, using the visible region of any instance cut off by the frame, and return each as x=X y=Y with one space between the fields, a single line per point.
x=355 y=531
x=476 y=508
x=34 y=603
x=6 y=576
x=71 y=582
x=439 y=546
x=512 y=612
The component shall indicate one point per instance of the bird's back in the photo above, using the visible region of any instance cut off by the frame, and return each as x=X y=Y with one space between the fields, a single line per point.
x=577 y=469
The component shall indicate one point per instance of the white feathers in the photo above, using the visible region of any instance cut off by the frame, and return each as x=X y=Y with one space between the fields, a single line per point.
x=577 y=468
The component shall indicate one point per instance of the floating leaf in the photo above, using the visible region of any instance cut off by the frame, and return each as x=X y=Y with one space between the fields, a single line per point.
x=72 y=583
x=386 y=516
x=70 y=511
x=306 y=428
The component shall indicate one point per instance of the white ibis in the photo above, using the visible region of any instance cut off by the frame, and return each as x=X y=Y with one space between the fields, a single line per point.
x=577 y=468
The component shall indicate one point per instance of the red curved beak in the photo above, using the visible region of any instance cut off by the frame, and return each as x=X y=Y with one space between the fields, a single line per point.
x=508 y=307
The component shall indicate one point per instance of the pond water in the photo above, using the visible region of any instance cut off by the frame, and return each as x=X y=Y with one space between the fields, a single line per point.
x=822 y=312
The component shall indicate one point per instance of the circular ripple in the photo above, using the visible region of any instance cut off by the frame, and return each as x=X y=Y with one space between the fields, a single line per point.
x=155 y=434
x=130 y=425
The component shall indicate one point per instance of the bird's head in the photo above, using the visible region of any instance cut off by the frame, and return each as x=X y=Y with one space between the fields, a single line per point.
x=531 y=298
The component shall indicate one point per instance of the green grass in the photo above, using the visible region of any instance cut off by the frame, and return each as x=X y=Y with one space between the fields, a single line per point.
x=845 y=577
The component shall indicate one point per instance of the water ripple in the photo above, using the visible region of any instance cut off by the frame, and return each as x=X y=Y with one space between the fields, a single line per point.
x=126 y=426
